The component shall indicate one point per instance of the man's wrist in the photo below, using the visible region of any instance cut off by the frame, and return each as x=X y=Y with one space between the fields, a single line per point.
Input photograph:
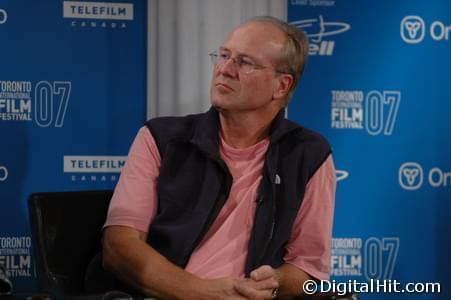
x=192 y=288
x=278 y=277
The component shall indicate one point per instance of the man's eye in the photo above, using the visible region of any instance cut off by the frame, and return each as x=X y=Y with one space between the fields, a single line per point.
x=223 y=56
x=246 y=62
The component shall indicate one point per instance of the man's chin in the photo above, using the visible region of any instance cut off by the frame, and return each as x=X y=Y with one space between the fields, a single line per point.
x=217 y=106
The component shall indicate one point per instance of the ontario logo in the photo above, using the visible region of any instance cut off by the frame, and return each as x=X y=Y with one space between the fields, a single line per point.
x=413 y=30
x=411 y=176
x=3 y=173
x=318 y=31
x=98 y=14
x=3 y=16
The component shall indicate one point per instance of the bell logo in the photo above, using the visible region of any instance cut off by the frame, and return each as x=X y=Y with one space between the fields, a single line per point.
x=410 y=176
x=319 y=31
x=3 y=16
x=412 y=29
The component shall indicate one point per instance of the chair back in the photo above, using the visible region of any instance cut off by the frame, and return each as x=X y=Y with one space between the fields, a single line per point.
x=66 y=230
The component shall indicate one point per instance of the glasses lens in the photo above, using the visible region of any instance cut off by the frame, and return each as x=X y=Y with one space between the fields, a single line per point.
x=246 y=69
x=214 y=57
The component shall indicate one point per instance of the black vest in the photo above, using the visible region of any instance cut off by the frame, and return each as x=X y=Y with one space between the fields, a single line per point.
x=194 y=183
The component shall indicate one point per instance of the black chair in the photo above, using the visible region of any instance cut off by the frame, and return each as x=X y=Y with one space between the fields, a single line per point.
x=66 y=231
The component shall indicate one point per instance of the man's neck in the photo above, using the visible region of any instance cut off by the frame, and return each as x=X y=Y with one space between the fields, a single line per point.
x=242 y=130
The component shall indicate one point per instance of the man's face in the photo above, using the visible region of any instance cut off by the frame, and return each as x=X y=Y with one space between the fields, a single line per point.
x=234 y=90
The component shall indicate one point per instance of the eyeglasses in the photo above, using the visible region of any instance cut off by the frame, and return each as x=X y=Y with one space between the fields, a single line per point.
x=242 y=63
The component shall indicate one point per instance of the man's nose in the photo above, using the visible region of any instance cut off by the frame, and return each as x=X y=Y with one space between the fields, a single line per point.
x=228 y=67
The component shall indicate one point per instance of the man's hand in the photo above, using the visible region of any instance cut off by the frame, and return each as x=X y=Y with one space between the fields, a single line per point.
x=261 y=284
x=225 y=288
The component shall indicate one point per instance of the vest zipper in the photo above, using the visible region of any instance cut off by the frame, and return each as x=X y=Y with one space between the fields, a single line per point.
x=272 y=213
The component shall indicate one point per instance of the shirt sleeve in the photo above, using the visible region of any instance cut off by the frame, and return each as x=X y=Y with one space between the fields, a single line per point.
x=134 y=202
x=309 y=246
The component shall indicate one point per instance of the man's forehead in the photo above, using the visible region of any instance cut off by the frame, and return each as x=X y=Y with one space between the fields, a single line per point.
x=253 y=35
x=258 y=29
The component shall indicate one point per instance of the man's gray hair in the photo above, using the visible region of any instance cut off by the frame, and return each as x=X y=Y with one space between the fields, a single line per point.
x=295 y=52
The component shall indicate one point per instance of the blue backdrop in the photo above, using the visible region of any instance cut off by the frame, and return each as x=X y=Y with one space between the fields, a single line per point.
x=72 y=97
x=377 y=85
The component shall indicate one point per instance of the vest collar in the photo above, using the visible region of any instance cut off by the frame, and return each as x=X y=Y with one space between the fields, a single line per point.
x=280 y=127
x=206 y=131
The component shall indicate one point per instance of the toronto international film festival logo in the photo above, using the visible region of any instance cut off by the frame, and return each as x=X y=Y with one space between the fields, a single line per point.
x=45 y=102
x=316 y=30
x=413 y=30
x=375 y=111
x=373 y=258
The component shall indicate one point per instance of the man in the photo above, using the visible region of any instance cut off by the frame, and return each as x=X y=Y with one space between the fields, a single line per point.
x=236 y=203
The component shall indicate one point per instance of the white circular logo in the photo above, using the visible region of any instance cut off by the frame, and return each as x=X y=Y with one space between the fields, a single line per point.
x=3 y=16
x=410 y=176
x=3 y=173
x=412 y=29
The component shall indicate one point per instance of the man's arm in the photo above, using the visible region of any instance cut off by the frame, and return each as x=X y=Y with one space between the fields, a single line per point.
x=131 y=259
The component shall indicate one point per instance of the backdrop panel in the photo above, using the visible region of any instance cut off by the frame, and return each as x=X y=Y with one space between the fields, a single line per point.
x=377 y=85
x=72 y=96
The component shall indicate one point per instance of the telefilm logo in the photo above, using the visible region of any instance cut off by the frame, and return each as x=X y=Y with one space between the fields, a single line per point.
x=98 y=14
x=374 y=258
x=15 y=255
x=3 y=16
x=376 y=112
x=411 y=176
x=319 y=31
x=44 y=102
x=313 y=2
x=3 y=173
x=413 y=30
x=94 y=168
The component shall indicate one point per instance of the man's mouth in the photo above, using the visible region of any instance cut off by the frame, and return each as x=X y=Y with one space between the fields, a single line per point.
x=223 y=85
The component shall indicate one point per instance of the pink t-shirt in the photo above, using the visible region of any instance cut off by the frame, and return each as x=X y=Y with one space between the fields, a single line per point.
x=223 y=250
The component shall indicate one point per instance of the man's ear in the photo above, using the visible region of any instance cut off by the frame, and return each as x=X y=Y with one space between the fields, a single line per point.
x=282 y=85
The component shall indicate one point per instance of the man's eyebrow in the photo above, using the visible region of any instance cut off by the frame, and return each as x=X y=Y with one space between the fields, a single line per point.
x=241 y=55
x=222 y=48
